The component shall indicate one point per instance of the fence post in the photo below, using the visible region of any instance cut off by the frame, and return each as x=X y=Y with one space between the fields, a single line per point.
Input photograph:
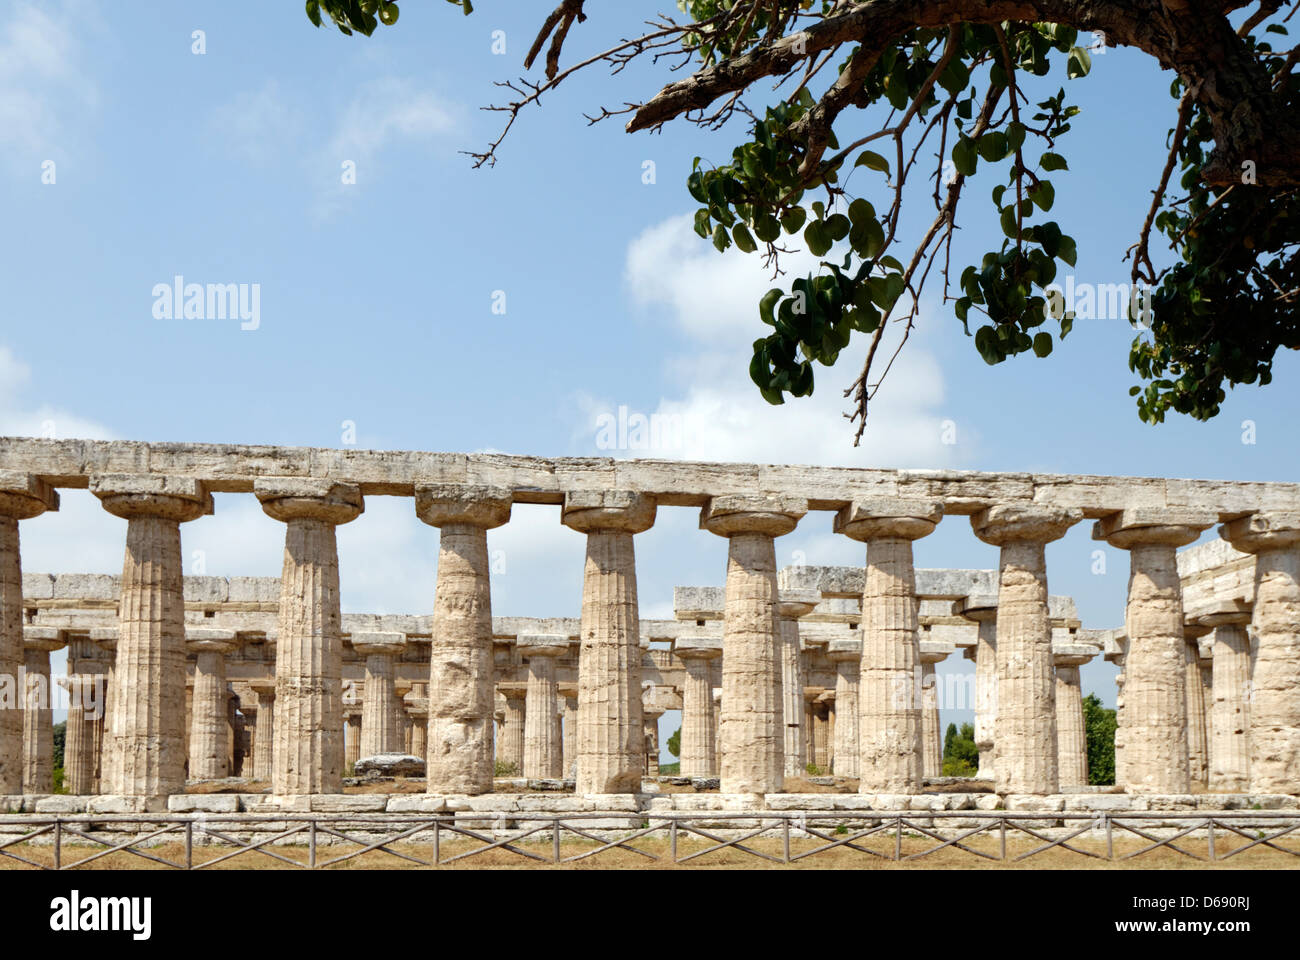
x=189 y=844
x=1002 y=838
x=555 y=833
x=1210 y=837
x=1110 y=839
x=437 y=842
x=672 y=838
x=898 y=840
x=58 y=844
x=785 y=822
x=311 y=844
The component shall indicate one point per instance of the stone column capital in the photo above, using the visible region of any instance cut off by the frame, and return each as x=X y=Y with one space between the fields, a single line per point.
x=793 y=604
x=1005 y=523
x=44 y=638
x=381 y=643
x=844 y=651
x=934 y=651
x=309 y=498
x=772 y=516
x=210 y=640
x=513 y=691
x=104 y=637
x=621 y=511
x=23 y=495
x=1175 y=527
x=152 y=495
x=1067 y=656
x=697 y=648
x=264 y=689
x=532 y=645
x=439 y=504
x=1266 y=530
x=569 y=691
x=888 y=518
x=981 y=608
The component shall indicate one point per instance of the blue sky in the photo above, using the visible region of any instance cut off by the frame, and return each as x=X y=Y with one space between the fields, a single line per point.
x=377 y=297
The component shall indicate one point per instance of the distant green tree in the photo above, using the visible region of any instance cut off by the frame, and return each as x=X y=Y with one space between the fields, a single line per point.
x=961 y=757
x=60 y=735
x=1099 y=722
x=675 y=743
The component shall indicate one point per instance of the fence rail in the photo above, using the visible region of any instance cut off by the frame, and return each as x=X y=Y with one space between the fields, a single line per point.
x=66 y=835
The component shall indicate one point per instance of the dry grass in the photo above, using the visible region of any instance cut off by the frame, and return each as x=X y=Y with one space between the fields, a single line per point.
x=1259 y=858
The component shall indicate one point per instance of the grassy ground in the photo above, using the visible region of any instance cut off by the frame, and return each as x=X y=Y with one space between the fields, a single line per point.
x=1259 y=858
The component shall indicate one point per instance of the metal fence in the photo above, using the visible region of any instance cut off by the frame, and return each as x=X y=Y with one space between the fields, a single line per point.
x=321 y=835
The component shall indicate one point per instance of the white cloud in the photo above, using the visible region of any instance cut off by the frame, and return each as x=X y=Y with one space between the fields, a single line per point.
x=716 y=413
x=40 y=82
x=20 y=417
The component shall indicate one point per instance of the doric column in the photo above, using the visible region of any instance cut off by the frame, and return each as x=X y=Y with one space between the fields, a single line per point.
x=569 y=693
x=611 y=740
x=417 y=708
x=210 y=731
x=1155 y=670
x=401 y=719
x=264 y=731
x=698 y=747
x=847 y=657
x=1121 y=731
x=791 y=605
x=542 y=757
x=379 y=706
x=1274 y=538
x=309 y=649
x=983 y=609
x=460 y=742
x=1071 y=736
x=822 y=729
x=510 y=748
x=650 y=720
x=1025 y=730
x=752 y=723
x=38 y=708
x=1230 y=705
x=889 y=715
x=149 y=753
x=1198 y=738
x=22 y=497
x=354 y=737
x=930 y=653
x=106 y=639
x=84 y=706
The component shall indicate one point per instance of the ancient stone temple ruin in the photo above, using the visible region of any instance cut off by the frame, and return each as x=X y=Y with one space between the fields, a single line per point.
x=206 y=678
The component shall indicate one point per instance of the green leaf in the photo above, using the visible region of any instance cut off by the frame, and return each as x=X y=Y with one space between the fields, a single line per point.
x=1015 y=135
x=744 y=240
x=695 y=186
x=993 y=146
x=768 y=304
x=964 y=156
x=1068 y=252
x=1053 y=161
x=388 y=13
x=702 y=221
x=313 y=11
x=794 y=219
x=1079 y=64
x=720 y=238
x=1042 y=344
x=1043 y=194
x=816 y=237
x=872 y=161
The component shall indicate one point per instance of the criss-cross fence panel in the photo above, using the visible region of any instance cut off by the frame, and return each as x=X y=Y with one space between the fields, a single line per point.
x=407 y=837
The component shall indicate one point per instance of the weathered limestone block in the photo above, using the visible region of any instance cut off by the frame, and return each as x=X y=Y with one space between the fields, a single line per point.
x=542 y=746
x=846 y=655
x=149 y=733
x=888 y=710
x=611 y=737
x=1274 y=539
x=22 y=497
x=379 y=706
x=394 y=764
x=460 y=741
x=752 y=721
x=38 y=708
x=210 y=729
x=308 y=753
x=983 y=609
x=1155 y=668
x=699 y=749
x=791 y=605
x=1025 y=730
